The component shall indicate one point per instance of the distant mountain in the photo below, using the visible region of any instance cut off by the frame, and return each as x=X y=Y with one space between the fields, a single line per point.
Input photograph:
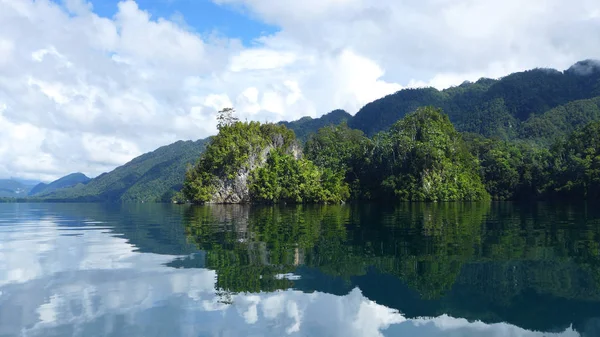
x=151 y=177
x=26 y=182
x=37 y=189
x=13 y=188
x=489 y=107
x=67 y=181
x=307 y=125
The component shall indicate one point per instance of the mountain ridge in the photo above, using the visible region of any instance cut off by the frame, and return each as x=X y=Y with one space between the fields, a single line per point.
x=66 y=181
x=13 y=188
x=511 y=99
x=304 y=126
x=151 y=177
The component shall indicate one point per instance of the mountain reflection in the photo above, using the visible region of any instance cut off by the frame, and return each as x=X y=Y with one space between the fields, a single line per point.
x=537 y=268
x=406 y=270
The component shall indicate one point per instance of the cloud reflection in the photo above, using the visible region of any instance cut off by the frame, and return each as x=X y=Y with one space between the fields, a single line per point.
x=83 y=281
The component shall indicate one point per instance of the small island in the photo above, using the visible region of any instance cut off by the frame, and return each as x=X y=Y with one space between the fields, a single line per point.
x=421 y=157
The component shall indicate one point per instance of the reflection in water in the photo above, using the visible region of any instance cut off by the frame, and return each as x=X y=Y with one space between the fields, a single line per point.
x=537 y=268
x=162 y=270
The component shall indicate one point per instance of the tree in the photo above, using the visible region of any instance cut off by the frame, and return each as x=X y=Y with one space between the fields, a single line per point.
x=577 y=164
x=342 y=150
x=290 y=180
x=226 y=117
x=425 y=159
x=268 y=155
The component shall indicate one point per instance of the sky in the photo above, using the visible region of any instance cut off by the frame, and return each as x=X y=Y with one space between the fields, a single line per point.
x=87 y=86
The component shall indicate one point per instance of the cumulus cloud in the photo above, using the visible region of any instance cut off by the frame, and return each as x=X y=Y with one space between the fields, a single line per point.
x=418 y=40
x=81 y=92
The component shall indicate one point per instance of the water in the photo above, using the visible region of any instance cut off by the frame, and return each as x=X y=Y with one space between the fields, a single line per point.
x=411 y=270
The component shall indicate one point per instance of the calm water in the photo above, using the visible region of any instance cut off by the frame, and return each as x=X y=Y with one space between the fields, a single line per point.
x=411 y=270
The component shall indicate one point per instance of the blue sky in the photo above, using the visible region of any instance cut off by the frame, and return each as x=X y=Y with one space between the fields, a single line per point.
x=203 y=16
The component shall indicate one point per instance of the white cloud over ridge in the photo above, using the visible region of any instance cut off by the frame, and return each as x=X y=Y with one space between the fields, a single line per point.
x=80 y=92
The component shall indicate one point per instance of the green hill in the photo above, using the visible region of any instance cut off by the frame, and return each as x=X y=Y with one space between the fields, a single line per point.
x=489 y=107
x=308 y=125
x=560 y=121
x=67 y=181
x=250 y=162
x=151 y=177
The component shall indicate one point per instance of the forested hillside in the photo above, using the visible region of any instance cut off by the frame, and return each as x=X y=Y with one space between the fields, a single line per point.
x=560 y=121
x=67 y=181
x=154 y=176
x=253 y=162
x=493 y=108
x=308 y=125
x=421 y=158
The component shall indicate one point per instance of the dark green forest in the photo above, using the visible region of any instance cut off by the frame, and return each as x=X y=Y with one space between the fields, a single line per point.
x=232 y=160
x=528 y=136
x=421 y=157
x=506 y=108
x=306 y=126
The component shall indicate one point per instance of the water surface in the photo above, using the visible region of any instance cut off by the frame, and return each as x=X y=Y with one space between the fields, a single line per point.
x=449 y=269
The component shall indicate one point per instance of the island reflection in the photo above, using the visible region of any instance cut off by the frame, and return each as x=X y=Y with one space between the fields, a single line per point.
x=405 y=270
x=535 y=266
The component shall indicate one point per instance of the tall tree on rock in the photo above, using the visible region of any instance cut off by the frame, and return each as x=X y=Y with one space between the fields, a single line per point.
x=226 y=117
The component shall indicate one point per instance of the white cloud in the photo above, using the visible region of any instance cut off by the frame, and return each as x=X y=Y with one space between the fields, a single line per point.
x=261 y=59
x=417 y=40
x=94 y=92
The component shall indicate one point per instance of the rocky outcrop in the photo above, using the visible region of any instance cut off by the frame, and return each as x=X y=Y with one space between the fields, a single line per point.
x=236 y=190
x=222 y=174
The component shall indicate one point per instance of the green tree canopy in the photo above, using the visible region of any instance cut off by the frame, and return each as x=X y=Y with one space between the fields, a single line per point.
x=426 y=159
x=577 y=164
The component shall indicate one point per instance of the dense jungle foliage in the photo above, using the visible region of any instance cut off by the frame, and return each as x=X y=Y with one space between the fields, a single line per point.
x=507 y=108
x=237 y=146
x=420 y=158
x=260 y=158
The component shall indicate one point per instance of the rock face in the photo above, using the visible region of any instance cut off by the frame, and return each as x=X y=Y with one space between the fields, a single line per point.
x=232 y=191
x=236 y=190
x=222 y=173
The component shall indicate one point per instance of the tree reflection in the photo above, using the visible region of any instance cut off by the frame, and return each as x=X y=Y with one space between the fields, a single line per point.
x=493 y=262
x=253 y=248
